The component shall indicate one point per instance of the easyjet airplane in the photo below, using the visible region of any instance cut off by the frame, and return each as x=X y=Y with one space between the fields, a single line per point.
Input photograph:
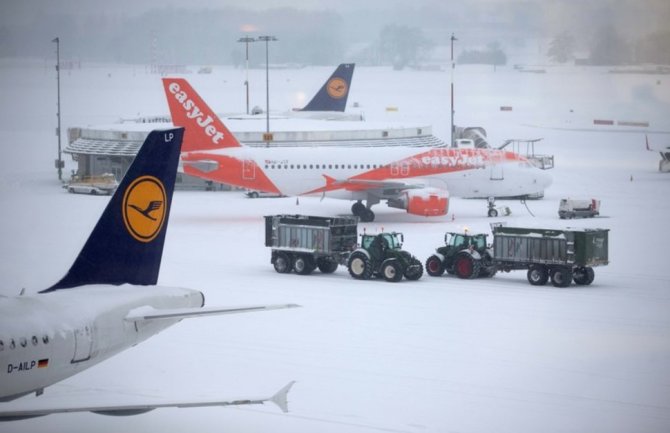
x=419 y=182
x=108 y=301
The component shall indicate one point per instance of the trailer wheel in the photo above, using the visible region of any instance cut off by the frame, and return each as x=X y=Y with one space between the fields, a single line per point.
x=583 y=276
x=326 y=265
x=282 y=263
x=434 y=266
x=414 y=271
x=304 y=265
x=392 y=270
x=561 y=277
x=466 y=266
x=359 y=266
x=537 y=275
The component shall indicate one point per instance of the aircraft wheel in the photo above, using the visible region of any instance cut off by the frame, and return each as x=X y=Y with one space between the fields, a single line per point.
x=367 y=216
x=493 y=213
x=357 y=208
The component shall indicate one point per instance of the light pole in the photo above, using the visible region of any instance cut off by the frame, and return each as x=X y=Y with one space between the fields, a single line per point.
x=267 y=39
x=246 y=40
x=453 y=66
x=59 y=161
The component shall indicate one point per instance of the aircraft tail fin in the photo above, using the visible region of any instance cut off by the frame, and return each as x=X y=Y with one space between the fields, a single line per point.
x=204 y=129
x=126 y=245
x=334 y=93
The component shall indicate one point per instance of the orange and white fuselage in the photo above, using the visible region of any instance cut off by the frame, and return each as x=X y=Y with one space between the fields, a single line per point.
x=419 y=180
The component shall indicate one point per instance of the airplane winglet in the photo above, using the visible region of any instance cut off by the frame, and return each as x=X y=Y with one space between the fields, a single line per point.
x=281 y=397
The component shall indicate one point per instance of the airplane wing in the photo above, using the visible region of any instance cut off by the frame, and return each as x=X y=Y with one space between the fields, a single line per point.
x=365 y=185
x=149 y=313
x=279 y=398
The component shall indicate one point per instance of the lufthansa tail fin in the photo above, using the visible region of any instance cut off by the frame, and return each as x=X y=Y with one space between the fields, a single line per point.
x=334 y=93
x=204 y=129
x=126 y=244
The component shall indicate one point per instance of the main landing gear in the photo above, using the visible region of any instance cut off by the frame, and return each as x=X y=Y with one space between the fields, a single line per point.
x=363 y=212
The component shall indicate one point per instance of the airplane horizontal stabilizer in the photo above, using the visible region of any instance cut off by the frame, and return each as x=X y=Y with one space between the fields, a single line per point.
x=279 y=398
x=148 y=313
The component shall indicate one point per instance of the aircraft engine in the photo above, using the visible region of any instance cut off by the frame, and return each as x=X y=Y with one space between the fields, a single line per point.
x=425 y=202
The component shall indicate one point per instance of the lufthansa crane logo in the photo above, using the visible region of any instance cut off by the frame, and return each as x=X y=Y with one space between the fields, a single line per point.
x=144 y=208
x=337 y=88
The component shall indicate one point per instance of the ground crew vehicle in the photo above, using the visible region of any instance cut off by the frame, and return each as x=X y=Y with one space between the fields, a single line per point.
x=104 y=184
x=382 y=255
x=303 y=243
x=465 y=255
x=561 y=256
x=569 y=208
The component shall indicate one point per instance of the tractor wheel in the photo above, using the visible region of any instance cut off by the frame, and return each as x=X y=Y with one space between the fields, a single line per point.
x=326 y=265
x=434 y=266
x=304 y=264
x=414 y=271
x=283 y=263
x=392 y=270
x=583 y=276
x=493 y=213
x=561 y=277
x=487 y=269
x=466 y=266
x=359 y=266
x=537 y=275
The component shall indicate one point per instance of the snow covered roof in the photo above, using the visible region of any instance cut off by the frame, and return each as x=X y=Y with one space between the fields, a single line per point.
x=124 y=139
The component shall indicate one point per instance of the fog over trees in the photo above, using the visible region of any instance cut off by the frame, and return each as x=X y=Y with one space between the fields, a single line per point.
x=390 y=33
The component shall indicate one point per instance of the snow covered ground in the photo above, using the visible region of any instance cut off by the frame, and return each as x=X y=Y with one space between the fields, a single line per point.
x=436 y=355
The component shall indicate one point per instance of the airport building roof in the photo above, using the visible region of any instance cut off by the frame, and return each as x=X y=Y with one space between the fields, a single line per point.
x=124 y=139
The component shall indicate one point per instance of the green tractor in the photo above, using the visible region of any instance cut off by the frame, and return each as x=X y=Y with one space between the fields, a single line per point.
x=382 y=256
x=465 y=255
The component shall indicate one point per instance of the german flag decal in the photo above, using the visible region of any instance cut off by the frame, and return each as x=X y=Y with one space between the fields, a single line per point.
x=43 y=363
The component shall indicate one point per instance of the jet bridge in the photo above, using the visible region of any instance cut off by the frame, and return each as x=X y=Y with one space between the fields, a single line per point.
x=526 y=148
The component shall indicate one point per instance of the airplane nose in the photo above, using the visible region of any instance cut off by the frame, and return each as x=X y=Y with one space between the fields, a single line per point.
x=545 y=179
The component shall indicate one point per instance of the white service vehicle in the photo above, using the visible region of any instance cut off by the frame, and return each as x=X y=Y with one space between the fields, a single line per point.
x=570 y=208
x=104 y=184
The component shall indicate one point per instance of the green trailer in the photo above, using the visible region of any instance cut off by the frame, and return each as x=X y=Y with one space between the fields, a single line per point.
x=560 y=255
